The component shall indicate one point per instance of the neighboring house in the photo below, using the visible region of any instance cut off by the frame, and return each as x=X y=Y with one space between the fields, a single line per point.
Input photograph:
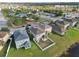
x=77 y=15
x=4 y=37
x=46 y=16
x=72 y=21
x=21 y=39
x=62 y=23
x=11 y=14
x=21 y=15
x=29 y=19
x=12 y=30
x=71 y=18
x=58 y=29
x=60 y=26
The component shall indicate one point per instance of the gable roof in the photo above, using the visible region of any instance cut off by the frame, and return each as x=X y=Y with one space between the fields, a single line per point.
x=61 y=22
x=41 y=26
x=71 y=20
x=36 y=31
x=44 y=26
x=56 y=28
x=20 y=35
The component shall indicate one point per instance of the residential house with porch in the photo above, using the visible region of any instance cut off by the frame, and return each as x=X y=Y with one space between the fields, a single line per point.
x=21 y=39
x=42 y=26
x=45 y=15
x=60 y=26
x=71 y=18
x=40 y=35
x=72 y=22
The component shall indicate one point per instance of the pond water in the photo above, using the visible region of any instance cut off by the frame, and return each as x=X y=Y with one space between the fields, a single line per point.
x=73 y=51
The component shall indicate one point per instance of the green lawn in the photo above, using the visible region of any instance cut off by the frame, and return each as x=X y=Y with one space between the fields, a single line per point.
x=62 y=44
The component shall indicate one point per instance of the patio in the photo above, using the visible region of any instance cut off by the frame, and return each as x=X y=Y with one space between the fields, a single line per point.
x=43 y=45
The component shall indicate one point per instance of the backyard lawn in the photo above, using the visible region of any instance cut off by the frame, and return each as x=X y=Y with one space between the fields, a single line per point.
x=62 y=44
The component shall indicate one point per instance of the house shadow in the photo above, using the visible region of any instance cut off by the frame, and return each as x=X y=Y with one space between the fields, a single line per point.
x=13 y=43
x=30 y=36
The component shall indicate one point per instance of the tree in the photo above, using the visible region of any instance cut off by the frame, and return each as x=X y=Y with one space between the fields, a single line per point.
x=59 y=13
x=74 y=9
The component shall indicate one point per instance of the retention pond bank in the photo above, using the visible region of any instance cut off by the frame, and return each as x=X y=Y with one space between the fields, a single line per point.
x=73 y=51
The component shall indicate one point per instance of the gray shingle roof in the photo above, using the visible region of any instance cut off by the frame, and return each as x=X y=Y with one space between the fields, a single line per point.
x=41 y=26
x=57 y=29
x=21 y=39
x=36 y=31
x=58 y=22
x=20 y=34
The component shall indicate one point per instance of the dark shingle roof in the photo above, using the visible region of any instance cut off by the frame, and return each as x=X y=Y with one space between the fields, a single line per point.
x=58 y=22
x=20 y=34
x=36 y=31
x=71 y=20
x=56 y=28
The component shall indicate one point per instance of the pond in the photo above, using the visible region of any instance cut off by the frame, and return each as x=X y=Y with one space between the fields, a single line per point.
x=73 y=51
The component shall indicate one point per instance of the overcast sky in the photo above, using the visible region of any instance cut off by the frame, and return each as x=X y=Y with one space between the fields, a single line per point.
x=39 y=0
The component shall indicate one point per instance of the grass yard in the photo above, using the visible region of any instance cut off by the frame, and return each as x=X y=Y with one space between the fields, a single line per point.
x=62 y=44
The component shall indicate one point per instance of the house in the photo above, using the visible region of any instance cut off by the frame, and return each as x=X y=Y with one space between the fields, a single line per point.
x=77 y=15
x=46 y=27
x=37 y=33
x=72 y=22
x=62 y=23
x=45 y=15
x=60 y=26
x=21 y=15
x=39 y=30
x=12 y=30
x=42 y=26
x=71 y=18
x=58 y=29
x=40 y=36
x=11 y=14
x=4 y=37
x=21 y=39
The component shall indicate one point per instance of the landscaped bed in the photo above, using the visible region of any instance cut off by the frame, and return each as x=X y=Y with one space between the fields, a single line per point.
x=61 y=46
